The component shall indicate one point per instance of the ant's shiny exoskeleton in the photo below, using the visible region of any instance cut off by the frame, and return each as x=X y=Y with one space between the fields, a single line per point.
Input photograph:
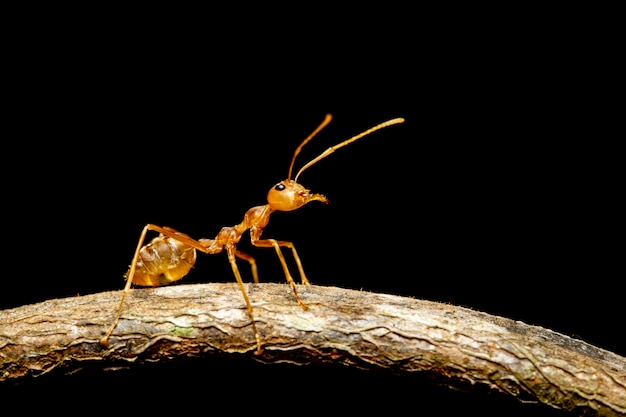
x=170 y=256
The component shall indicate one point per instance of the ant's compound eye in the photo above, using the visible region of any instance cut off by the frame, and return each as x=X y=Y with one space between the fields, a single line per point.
x=280 y=187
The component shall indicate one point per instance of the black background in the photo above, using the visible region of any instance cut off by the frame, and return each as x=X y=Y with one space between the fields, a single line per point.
x=491 y=195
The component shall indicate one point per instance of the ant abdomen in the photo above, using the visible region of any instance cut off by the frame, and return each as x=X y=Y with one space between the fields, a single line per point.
x=163 y=261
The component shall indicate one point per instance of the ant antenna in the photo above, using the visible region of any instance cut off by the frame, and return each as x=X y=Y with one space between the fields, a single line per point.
x=315 y=132
x=334 y=148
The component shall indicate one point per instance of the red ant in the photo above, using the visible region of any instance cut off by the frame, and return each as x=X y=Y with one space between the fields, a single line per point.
x=170 y=256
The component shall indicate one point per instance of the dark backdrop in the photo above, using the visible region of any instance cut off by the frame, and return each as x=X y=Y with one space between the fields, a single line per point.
x=489 y=196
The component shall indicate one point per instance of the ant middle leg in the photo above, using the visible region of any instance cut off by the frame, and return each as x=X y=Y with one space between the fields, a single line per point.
x=251 y=261
x=232 y=253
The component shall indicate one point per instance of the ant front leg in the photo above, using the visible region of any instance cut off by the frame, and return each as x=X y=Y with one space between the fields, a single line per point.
x=255 y=234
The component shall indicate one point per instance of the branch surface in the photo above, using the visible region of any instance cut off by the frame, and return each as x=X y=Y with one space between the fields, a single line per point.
x=454 y=346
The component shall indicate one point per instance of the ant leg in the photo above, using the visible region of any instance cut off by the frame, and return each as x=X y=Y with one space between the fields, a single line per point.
x=181 y=237
x=298 y=262
x=232 y=252
x=129 y=279
x=167 y=231
x=268 y=243
x=252 y=262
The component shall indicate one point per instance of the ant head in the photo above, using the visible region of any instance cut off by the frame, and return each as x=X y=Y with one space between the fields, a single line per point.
x=288 y=195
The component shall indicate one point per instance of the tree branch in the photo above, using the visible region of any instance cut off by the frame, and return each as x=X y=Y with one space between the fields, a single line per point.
x=455 y=346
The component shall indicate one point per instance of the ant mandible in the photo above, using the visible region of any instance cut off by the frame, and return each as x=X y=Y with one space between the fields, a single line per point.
x=170 y=256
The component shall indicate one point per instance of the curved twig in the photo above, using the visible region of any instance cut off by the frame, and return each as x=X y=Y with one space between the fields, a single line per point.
x=456 y=346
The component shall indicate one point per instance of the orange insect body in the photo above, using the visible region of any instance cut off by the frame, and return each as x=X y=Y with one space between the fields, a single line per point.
x=172 y=254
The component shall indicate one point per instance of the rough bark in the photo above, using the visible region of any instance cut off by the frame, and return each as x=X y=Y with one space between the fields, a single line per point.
x=454 y=346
